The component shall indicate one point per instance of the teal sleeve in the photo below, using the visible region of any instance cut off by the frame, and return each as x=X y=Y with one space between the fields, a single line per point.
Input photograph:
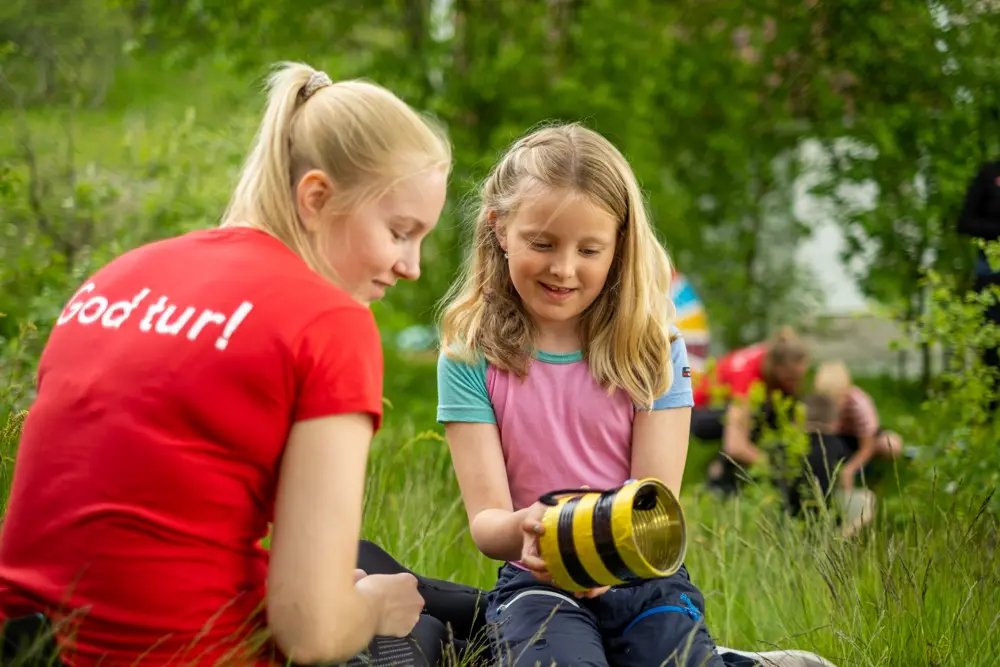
x=462 y=394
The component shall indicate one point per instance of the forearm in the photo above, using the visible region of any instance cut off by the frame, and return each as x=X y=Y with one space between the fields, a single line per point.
x=336 y=629
x=497 y=533
x=741 y=450
x=866 y=449
x=314 y=610
x=736 y=442
x=360 y=624
x=750 y=453
x=660 y=446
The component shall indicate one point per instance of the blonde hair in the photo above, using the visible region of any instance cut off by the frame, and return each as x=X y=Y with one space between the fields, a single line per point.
x=832 y=380
x=625 y=332
x=820 y=409
x=363 y=137
x=784 y=348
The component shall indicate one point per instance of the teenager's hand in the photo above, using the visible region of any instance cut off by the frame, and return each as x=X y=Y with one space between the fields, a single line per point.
x=397 y=602
x=531 y=554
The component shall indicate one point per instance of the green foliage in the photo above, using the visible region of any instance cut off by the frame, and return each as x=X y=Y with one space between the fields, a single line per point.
x=10 y=429
x=960 y=429
x=16 y=391
x=785 y=445
x=711 y=103
x=920 y=98
x=63 y=52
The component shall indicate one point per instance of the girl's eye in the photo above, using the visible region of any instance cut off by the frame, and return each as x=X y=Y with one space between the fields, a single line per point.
x=539 y=246
x=590 y=251
x=397 y=236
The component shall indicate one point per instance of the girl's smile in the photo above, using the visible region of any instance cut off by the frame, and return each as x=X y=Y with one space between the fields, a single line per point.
x=557 y=293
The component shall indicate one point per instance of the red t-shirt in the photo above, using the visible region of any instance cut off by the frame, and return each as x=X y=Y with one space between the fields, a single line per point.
x=146 y=473
x=736 y=372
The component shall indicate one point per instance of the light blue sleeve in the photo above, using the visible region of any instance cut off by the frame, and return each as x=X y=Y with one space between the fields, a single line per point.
x=680 y=394
x=462 y=394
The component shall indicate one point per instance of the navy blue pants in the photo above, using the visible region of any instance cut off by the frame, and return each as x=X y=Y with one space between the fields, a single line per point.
x=654 y=623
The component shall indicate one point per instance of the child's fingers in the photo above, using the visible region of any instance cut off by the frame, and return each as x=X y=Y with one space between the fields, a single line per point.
x=534 y=563
x=532 y=526
x=542 y=575
x=594 y=592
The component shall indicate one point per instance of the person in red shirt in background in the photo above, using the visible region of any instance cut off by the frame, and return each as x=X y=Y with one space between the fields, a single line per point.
x=722 y=412
x=198 y=388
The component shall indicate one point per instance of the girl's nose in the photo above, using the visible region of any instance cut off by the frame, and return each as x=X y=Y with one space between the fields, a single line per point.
x=408 y=267
x=561 y=267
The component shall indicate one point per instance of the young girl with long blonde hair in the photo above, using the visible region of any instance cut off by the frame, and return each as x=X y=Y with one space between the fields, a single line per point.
x=561 y=368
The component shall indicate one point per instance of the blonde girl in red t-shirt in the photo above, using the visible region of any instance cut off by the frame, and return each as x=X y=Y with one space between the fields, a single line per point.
x=198 y=388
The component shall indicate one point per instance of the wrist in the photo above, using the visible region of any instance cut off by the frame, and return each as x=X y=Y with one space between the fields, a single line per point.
x=371 y=596
x=368 y=605
x=497 y=533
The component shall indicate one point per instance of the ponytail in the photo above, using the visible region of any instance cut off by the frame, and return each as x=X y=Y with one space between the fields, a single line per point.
x=268 y=167
x=358 y=133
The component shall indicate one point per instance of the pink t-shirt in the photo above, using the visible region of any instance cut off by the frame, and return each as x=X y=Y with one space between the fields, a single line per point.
x=858 y=416
x=559 y=429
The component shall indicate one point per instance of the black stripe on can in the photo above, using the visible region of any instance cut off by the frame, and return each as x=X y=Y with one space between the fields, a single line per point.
x=604 y=538
x=564 y=531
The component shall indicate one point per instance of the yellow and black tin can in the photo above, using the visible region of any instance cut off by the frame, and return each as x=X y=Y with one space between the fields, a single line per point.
x=605 y=538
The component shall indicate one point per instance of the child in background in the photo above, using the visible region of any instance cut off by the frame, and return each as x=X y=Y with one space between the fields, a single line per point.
x=560 y=368
x=857 y=423
x=827 y=452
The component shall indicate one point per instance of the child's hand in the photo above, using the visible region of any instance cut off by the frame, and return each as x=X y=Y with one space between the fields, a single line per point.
x=593 y=592
x=531 y=554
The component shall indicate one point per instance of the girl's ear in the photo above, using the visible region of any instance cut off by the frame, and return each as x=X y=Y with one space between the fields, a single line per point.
x=312 y=193
x=499 y=230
